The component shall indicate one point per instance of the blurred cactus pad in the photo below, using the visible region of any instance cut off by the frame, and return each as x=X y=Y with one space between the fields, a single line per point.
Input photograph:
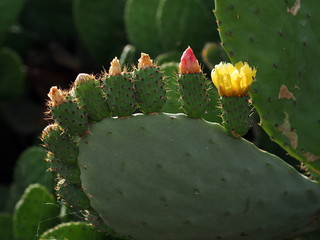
x=135 y=171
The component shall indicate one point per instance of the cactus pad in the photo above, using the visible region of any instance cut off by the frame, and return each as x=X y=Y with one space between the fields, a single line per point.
x=158 y=181
x=34 y=213
x=73 y=230
x=285 y=50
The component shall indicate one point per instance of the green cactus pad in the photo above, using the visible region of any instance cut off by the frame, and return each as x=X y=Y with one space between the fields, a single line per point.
x=182 y=24
x=235 y=115
x=141 y=25
x=100 y=28
x=4 y=192
x=6 y=228
x=193 y=89
x=171 y=177
x=34 y=213
x=127 y=56
x=61 y=144
x=285 y=50
x=212 y=54
x=120 y=94
x=73 y=231
x=74 y=198
x=150 y=90
x=30 y=168
x=92 y=98
x=213 y=113
x=168 y=57
x=71 y=117
x=12 y=76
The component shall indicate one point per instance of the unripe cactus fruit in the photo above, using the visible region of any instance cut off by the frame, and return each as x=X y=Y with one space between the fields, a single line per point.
x=233 y=83
x=118 y=87
x=149 y=85
x=193 y=85
x=91 y=97
x=63 y=170
x=72 y=195
x=66 y=111
x=61 y=144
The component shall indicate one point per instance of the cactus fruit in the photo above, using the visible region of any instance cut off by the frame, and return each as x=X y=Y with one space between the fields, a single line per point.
x=67 y=112
x=118 y=87
x=90 y=96
x=285 y=51
x=61 y=144
x=171 y=176
x=233 y=83
x=193 y=85
x=34 y=213
x=149 y=85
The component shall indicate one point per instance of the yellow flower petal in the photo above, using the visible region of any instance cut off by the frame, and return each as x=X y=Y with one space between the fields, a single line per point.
x=232 y=81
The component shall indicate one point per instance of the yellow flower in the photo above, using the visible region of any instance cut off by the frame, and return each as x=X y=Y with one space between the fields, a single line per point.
x=233 y=81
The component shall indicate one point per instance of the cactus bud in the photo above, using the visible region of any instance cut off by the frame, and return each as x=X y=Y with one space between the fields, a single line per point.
x=67 y=113
x=145 y=61
x=56 y=96
x=233 y=81
x=189 y=62
x=115 y=68
x=82 y=78
x=193 y=85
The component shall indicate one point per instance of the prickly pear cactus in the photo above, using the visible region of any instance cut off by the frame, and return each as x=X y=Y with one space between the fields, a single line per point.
x=175 y=176
x=281 y=39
